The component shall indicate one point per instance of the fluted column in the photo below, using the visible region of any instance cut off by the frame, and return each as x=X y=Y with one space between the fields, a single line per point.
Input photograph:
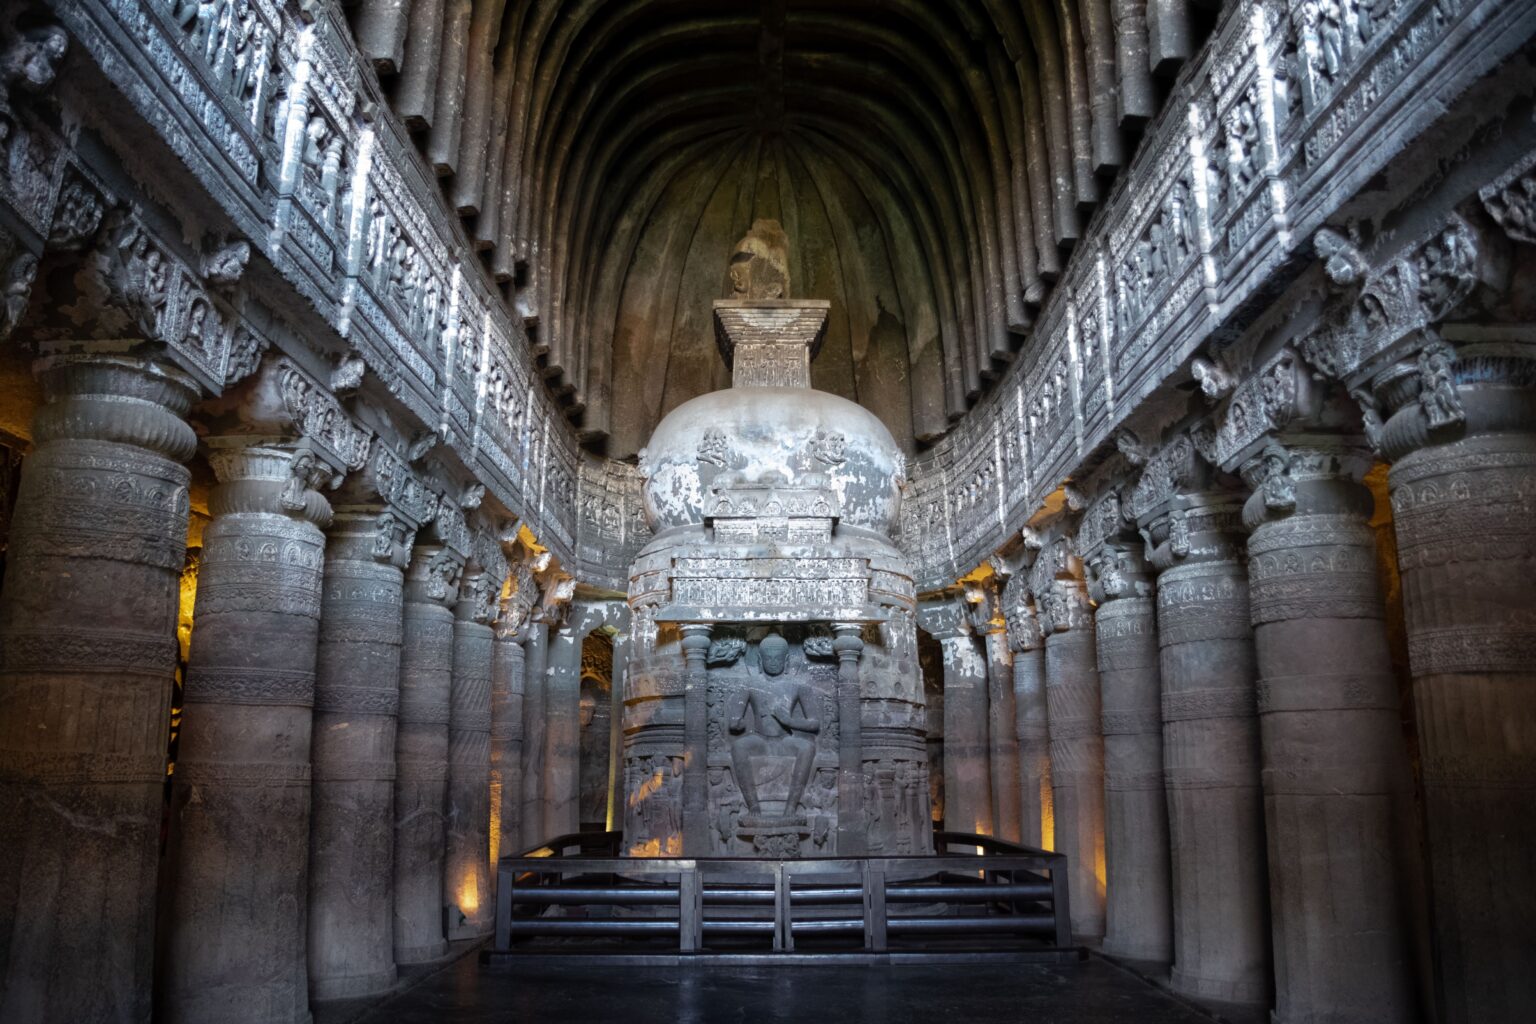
x=421 y=752
x=1077 y=749
x=1211 y=752
x=239 y=853
x=535 y=657
x=1138 y=912
x=967 y=775
x=87 y=657
x=562 y=728
x=357 y=699
x=848 y=644
x=1337 y=792
x=1464 y=507
x=506 y=743
x=1002 y=722
x=1037 y=806
x=466 y=881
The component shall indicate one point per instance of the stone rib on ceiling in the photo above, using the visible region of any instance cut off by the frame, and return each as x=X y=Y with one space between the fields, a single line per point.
x=932 y=161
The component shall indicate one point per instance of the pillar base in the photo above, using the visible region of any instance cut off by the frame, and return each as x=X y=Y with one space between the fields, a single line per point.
x=1218 y=990
x=356 y=986
x=421 y=954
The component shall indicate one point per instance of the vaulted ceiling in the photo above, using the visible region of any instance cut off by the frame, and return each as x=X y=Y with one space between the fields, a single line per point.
x=933 y=162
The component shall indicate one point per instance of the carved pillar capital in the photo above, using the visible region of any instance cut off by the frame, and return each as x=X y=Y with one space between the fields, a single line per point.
x=1302 y=474
x=116 y=398
x=433 y=576
x=1438 y=393
x=1119 y=569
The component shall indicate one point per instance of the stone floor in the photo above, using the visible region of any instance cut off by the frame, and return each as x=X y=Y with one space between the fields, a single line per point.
x=1093 y=991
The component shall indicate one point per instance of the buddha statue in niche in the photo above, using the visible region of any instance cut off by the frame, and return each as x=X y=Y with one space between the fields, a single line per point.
x=776 y=715
x=759 y=266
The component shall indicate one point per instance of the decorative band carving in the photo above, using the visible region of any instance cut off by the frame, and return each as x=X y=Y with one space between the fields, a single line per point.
x=471 y=721
x=359 y=700
x=416 y=711
x=1134 y=782
x=1328 y=595
x=409 y=769
x=1190 y=777
x=354 y=771
x=1471 y=649
x=208 y=684
x=217 y=594
x=243 y=773
x=360 y=629
x=1483 y=770
x=1326 y=691
x=1061 y=728
x=1131 y=722
x=1359 y=780
x=1201 y=603
x=1201 y=704
x=81 y=650
x=60 y=769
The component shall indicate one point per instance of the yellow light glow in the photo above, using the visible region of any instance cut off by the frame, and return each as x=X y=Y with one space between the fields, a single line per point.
x=469 y=895
x=1047 y=815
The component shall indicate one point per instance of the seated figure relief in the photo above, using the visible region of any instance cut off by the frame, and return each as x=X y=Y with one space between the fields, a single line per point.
x=773 y=715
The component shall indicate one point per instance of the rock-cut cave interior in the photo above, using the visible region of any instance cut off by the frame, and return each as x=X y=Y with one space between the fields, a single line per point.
x=776 y=510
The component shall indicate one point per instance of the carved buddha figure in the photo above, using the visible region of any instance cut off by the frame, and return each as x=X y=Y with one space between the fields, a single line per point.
x=773 y=715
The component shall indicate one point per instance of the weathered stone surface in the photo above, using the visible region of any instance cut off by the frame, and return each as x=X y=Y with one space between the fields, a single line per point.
x=1139 y=914
x=466 y=881
x=1077 y=751
x=1337 y=792
x=237 y=922
x=421 y=752
x=1211 y=753
x=87 y=656
x=357 y=703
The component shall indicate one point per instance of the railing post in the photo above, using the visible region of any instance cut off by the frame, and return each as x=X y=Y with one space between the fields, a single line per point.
x=505 y=878
x=1060 y=905
x=690 y=908
x=874 y=905
x=783 y=918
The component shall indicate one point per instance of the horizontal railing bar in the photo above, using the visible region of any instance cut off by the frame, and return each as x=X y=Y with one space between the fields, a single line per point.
x=1045 y=923
x=569 y=894
x=593 y=926
x=969 y=893
x=738 y=926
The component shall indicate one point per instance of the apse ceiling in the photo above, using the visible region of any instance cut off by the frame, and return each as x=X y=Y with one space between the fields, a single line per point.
x=932 y=163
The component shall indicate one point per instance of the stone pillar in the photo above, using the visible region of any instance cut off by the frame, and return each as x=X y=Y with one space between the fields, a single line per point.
x=615 y=815
x=237 y=923
x=1138 y=913
x=506 y=743
x=967 y=776
x=1077 y=748
x=535 y=658
x=562 y=727
x=1002 y=725
x=466 y=881
x=696 y=823
x=87 y=657
x=421 y=753
x=1037 y=806
x=848 y=645
x=1463 y=484
x=357 y=699
x=1337 y=791
x=1211 y=752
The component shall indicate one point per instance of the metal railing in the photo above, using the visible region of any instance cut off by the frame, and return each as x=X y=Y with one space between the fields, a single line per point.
x=976 y=893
